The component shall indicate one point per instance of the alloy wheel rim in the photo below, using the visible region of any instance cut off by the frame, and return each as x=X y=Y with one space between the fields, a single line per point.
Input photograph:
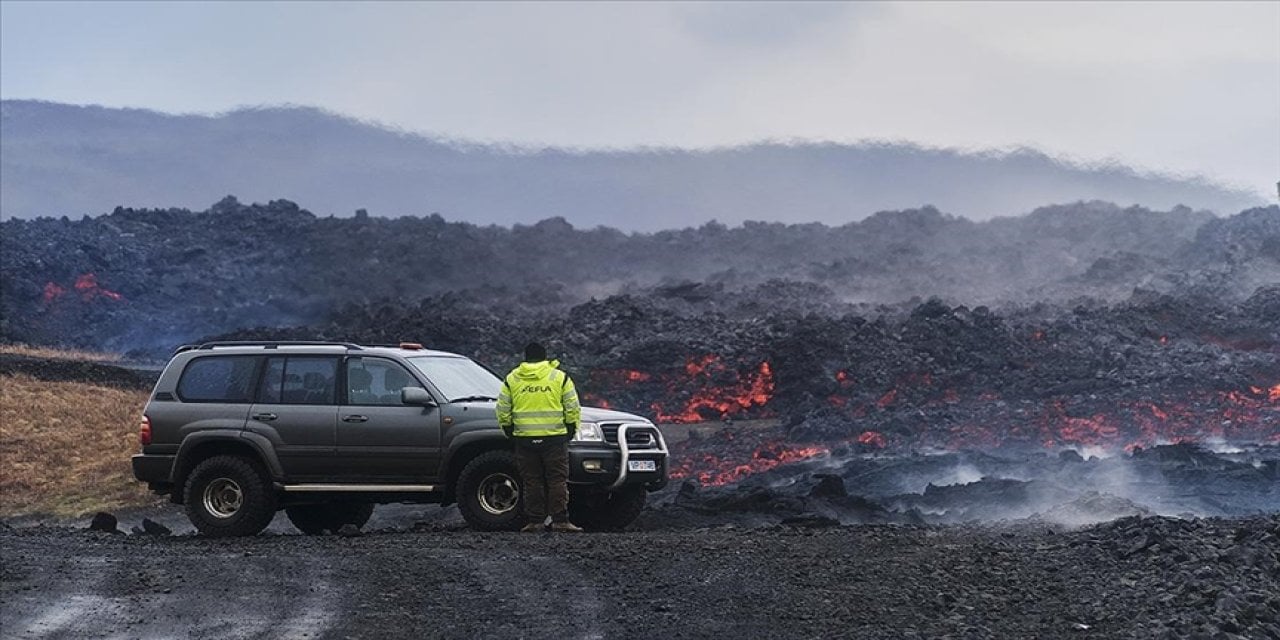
x=498 y=493
x=223 y=498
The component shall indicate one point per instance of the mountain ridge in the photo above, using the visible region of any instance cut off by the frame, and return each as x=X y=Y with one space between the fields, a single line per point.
x=74 y=160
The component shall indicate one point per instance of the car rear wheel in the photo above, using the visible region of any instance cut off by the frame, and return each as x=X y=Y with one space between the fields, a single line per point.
x=228 y=496
x=315 y=519
x=488 y=492
x=612 y=511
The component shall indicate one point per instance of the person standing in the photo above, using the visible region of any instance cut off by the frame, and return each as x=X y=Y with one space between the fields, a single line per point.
x=538 y=409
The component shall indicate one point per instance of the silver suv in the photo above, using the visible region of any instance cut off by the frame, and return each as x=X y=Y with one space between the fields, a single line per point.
x=324 y=430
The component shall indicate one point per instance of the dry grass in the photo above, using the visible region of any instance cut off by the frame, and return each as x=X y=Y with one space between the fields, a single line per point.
x=58 y=354
x=65 y=447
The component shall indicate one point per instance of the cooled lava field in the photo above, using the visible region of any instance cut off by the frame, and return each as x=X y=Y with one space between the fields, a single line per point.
x=1060 y=425
x=1131 y=578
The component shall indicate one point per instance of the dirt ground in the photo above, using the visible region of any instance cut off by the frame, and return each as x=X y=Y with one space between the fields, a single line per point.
x=1133 y=578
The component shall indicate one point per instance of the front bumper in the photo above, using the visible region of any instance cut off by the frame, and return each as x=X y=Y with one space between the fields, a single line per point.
x=614 y=472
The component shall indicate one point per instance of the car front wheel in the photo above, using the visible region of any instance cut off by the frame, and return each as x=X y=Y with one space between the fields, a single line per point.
x=488 y=492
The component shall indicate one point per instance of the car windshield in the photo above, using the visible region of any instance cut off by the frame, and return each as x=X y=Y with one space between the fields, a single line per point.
x=458 y=378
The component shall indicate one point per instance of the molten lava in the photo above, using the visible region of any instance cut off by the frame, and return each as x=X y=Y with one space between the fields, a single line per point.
x=86 y=285
x=704 y=388
x=872 y=439
x=710 y=402
x=906 y=423
x=711 y=470
x=1058 y=428
x=920 y=410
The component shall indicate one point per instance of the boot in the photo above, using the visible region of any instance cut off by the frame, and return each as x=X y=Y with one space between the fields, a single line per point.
x=533 y=527
x=565 y=526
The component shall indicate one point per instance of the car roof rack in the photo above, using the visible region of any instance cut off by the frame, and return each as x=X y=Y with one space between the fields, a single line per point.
x=272 y=344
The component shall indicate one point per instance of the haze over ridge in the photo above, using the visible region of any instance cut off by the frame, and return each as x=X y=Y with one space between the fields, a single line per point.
x=63 y=159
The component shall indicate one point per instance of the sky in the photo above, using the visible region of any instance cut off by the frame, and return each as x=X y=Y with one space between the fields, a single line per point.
x=1182 y=87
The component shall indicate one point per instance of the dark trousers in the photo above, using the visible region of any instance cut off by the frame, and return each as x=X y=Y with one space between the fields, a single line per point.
x=544 y=469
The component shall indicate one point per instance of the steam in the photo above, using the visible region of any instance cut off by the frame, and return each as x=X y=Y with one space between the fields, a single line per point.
x=1062 y=490
x=960 y=474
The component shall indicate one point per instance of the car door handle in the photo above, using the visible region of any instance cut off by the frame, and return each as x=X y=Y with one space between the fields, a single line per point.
x=355 y=419
x=264 y=417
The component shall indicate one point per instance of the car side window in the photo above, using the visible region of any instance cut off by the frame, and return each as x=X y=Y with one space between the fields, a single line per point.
x=218 y=379
x=299 y=380
x=376 y=381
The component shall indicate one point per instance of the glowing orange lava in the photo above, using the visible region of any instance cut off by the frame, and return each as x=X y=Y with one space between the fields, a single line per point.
x=715 y=471
x=704 y=388
x=872 y=439
x=86 y=285
x=919 y=411
x=709 y=401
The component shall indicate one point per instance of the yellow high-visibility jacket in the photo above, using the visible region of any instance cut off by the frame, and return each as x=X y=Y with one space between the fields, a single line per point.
x=538 y=400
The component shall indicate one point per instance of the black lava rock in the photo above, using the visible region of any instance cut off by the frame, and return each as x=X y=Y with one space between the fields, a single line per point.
x=105 y=522
x=154 y=528
x=811 y=521
x=829 y=486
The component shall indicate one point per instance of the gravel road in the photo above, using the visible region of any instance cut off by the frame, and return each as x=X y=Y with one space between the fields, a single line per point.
x=1153 y=577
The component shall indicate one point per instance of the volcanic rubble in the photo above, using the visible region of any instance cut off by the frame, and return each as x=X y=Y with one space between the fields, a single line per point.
x=148 y=279
x=1135 y=577
x=930 y=413
x=1124 y=370
x=1109 y=333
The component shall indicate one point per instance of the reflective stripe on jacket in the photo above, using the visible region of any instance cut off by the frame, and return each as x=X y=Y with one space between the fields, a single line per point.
x=538 y=400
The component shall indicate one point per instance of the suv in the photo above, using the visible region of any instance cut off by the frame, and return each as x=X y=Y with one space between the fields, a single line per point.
x=324 y=430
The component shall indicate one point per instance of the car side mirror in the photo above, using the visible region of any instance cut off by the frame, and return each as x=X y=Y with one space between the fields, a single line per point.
x=416 y=396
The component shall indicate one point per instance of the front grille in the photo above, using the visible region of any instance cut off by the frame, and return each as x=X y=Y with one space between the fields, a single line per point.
x=637 y=437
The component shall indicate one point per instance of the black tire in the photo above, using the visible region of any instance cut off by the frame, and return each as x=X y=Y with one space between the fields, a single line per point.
x=315 y=519
x=612 y=511
x=491 y=470
x=229 y=496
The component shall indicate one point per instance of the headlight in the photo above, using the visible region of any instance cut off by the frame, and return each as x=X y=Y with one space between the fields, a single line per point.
x=589 y=432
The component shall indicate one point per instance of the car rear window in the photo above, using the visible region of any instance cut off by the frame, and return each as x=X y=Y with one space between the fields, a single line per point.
x=218 y=379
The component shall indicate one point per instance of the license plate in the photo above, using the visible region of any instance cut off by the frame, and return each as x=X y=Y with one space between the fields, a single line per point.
x=642 y=465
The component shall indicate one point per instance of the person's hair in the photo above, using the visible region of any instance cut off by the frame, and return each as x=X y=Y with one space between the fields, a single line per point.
x=534 y=352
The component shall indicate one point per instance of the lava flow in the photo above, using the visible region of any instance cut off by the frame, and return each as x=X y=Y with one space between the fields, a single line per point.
x=705 y=388
x=86 y=286
x=911 y=421
x=711 y=402
x=711 y=470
